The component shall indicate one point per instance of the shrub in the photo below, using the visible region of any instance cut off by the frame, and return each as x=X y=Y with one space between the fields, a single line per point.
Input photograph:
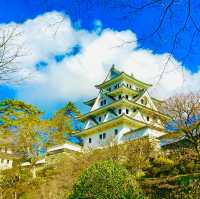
x=162 y=166
x=138 y=158
x=163 y=161
x=106 y=180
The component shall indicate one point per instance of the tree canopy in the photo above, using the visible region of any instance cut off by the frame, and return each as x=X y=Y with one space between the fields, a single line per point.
x=106 y=180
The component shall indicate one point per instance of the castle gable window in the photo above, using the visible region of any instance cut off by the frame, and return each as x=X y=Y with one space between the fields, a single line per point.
x=116 y=86
x=144 y=101
x=90 y=140
x=100 y=137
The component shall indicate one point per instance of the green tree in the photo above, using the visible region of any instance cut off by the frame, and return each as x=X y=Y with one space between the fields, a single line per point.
x=106 y=180
x=20 y=130
x=63 y=121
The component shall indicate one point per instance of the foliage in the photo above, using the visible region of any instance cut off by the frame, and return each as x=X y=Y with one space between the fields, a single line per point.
x=163 y=161
x=21 y=127
x=161 y=166
x=56 y=178
x=17 y=120
x=101 y=173
x=178 y=187
x=138 y=158
x=106 y=180
x=64 y=123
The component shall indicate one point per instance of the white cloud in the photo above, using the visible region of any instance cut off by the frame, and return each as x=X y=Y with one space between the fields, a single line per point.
x=75 y=76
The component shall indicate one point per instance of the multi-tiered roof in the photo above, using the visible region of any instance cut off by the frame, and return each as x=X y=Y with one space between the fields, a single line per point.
x=138 y=96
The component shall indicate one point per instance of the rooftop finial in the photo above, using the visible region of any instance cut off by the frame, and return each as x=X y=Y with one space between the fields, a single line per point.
x=113 y=66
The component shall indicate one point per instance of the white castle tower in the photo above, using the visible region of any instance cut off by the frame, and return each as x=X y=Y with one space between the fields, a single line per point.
x=122 y=111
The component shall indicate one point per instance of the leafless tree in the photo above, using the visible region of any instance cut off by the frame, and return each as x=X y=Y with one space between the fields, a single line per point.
x=10 y=52
x=185 y=113
x=174 y=25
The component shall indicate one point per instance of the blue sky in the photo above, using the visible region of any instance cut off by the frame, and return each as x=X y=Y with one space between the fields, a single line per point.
x=97 y=16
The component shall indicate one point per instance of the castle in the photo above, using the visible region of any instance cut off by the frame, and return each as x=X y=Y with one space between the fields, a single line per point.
x=122 y=111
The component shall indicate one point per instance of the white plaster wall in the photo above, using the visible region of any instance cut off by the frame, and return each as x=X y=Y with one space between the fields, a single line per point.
x=109 y=116
x=150 y=103
x=142 y=133
x=89 y=124
x=67 y=145
x=104 y=118
x=110 y=137
x=99 y=98
x=4 y=164
x=138 y=116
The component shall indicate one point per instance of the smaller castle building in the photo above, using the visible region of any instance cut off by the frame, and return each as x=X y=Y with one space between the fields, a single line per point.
x=6 y=158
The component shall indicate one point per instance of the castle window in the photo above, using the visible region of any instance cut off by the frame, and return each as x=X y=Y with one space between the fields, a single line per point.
x=137 y=89
x=104 y=135
x=104 y=102
x=126 y=96
x=120 y=97
x=144 y=101
x=127 y=111
x=120 y=111
x=116 y=86
x=90 y=140
x=127 y=85
x=147 y=118
x=100 y=137
x=116 y=131
x=130 y=86
x=99 y=119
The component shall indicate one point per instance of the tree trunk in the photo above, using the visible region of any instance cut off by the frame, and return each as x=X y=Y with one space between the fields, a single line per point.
x=33 y=172
x=198 y=152
x=15 y=195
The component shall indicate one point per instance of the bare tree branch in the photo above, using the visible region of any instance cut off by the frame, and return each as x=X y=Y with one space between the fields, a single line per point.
x=10 y=52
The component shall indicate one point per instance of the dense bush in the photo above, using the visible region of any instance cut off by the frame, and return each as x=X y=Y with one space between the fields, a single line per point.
x=161 y=166
x=106 y=180
x=178 y=187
